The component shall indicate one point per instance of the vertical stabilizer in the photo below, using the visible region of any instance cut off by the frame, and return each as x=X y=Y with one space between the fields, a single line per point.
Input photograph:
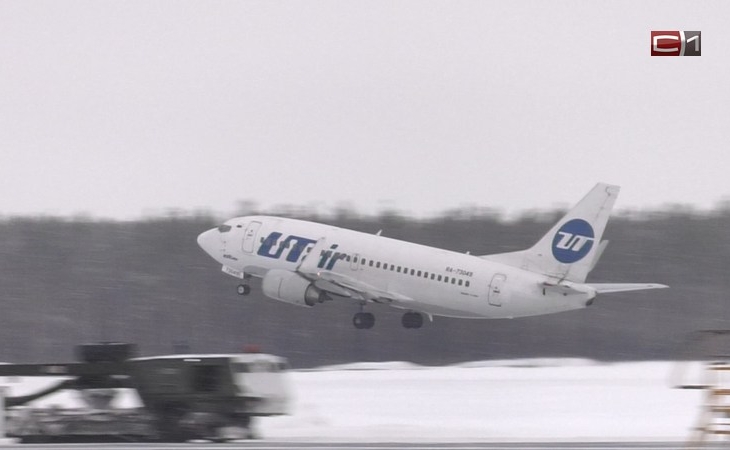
x=572 y=247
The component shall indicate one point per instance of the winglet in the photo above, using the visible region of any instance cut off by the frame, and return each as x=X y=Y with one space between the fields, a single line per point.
x=309 y=264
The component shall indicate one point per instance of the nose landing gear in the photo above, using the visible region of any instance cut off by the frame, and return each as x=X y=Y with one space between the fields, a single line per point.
x=243 y=289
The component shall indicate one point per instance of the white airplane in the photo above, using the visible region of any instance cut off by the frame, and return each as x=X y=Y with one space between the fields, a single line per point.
x=306 y=263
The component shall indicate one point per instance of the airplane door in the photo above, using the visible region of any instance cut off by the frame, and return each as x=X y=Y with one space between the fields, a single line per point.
x=355 y=262
x=249 y=238
x=495 y=289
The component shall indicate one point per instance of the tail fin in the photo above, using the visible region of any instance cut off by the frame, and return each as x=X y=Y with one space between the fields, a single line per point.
x=572 y=247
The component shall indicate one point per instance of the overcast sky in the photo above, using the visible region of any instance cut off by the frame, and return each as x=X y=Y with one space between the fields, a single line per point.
x=124 y=108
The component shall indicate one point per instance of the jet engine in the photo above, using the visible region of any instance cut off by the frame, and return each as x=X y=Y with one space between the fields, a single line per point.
x=291 y=288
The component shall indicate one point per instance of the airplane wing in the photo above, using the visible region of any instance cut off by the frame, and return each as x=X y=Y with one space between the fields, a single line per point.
x=343 y=285
x=336 y=283
x=603 y=288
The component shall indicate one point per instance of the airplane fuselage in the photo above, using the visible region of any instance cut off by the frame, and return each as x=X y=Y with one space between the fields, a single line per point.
x=426 y=279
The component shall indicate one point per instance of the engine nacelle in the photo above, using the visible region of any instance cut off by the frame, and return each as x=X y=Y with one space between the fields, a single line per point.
x=291 y=288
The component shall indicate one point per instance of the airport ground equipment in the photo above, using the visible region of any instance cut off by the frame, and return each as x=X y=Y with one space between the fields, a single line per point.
x=183 y=396
x=710 y=349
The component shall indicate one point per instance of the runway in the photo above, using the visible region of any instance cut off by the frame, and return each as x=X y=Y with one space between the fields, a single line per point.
x=262 y=445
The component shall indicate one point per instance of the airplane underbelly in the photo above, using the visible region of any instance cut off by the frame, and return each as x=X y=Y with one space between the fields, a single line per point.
x=443 y=311
x=446 y=302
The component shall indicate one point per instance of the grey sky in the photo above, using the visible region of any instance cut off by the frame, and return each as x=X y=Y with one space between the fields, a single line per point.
x=122 y=108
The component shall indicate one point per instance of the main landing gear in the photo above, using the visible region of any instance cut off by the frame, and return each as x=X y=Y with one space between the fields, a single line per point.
x=244 y=288
x=412 y=320
x=363 y=320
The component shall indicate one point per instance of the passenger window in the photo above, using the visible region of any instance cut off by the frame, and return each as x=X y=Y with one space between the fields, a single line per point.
x=347 y=258
x=370 y=263
x=419 y=273
x=460 y=282
x=467 y=283
x=413 y=272
x=398 y=270
x=453 y=281
x=392 y=267
x=377 y=265
x=433 y=276
x=439 y=278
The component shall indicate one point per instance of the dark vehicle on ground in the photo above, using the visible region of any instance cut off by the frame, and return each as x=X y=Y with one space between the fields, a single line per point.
x=183 y=396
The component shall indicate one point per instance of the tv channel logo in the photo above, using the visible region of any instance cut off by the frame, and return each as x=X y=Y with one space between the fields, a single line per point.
x=676 y=43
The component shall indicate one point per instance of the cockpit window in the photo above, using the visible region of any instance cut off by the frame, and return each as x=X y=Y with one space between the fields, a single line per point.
x=224 y=228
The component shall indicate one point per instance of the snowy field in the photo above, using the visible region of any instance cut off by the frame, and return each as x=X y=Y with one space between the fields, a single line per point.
x=527 y=400
x=494 y=401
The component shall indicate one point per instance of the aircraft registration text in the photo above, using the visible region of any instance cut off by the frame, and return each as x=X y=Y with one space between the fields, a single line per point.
x=464 y=273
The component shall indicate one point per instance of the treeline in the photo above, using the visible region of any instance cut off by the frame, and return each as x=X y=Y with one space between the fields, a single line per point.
x=64 y=282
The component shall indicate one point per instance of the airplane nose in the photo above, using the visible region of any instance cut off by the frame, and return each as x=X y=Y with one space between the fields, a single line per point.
x=210 y=241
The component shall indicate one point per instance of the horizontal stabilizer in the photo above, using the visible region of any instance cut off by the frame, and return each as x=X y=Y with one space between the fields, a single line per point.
x=603 y=288
x=565 y=288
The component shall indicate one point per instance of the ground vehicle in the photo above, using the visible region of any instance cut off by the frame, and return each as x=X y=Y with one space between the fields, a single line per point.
x=183 y=396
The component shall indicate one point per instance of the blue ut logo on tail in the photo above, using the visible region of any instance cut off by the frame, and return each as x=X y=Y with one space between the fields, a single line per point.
x=573 y=241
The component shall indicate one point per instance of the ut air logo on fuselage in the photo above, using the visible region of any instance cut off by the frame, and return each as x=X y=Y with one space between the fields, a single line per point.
x=273 y=247
x=573 y=241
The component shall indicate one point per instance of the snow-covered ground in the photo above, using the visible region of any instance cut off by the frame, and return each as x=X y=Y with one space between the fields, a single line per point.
x=525 y=400
x=500 y=401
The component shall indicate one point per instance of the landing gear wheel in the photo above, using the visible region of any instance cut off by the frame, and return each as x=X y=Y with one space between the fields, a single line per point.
x=363 y=320
x=412 y=320
x=243 y=289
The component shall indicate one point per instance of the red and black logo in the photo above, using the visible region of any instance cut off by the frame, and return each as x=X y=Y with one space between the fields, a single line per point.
x=676 y=43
